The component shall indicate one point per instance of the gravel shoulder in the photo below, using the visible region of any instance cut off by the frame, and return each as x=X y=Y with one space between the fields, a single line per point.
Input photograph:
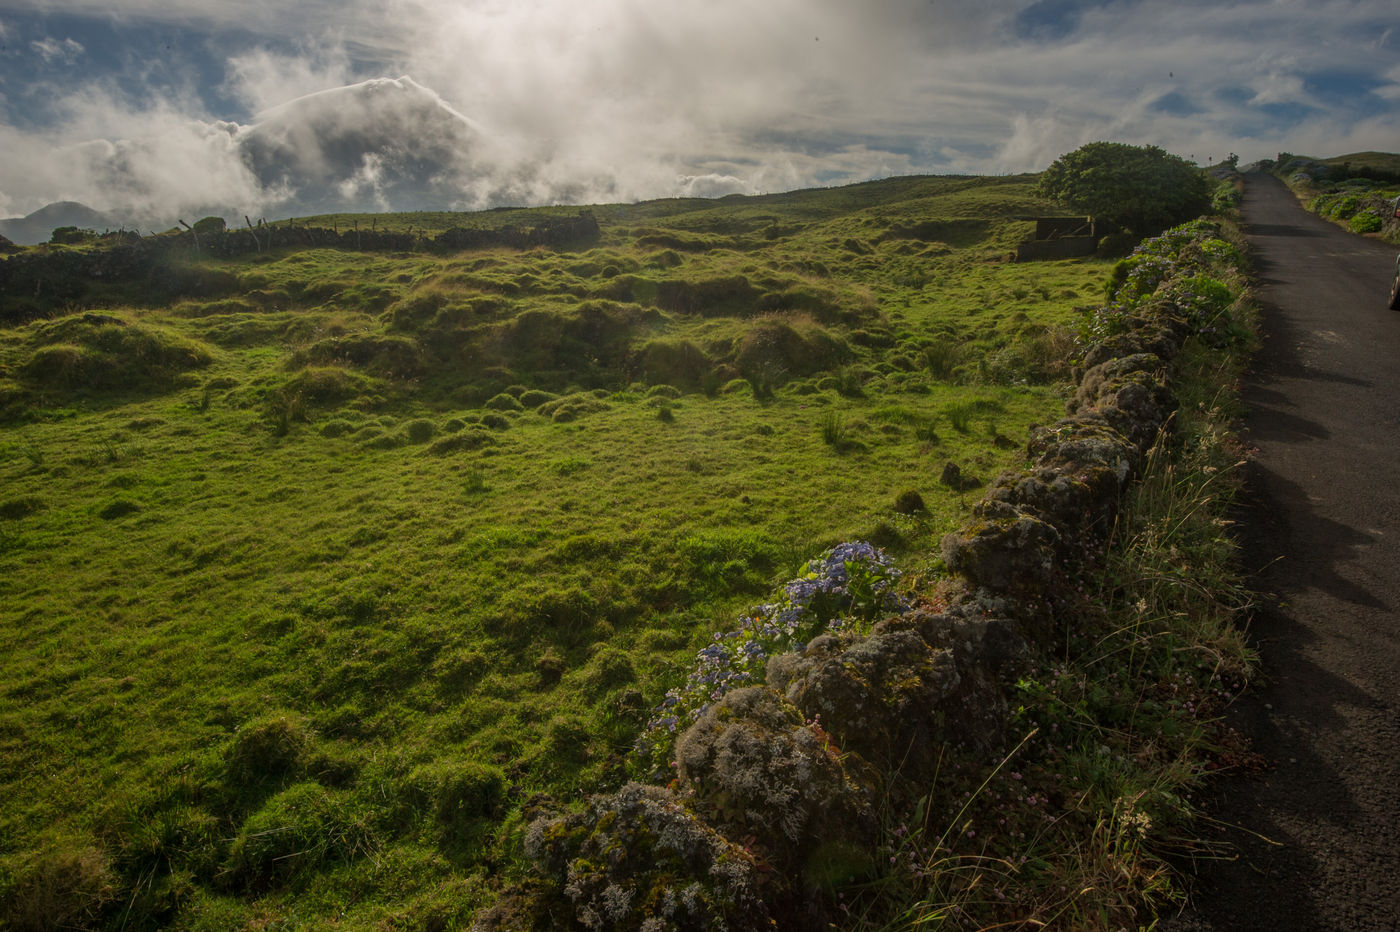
x=1312 y=839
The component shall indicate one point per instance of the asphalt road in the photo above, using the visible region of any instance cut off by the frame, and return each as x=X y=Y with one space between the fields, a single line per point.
x=1316 y=835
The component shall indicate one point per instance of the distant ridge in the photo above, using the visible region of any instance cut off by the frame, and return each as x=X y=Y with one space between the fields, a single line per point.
x=39 y=226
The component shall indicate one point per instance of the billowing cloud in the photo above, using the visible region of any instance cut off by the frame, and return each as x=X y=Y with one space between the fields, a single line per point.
x=540 y=101
x=148 y=166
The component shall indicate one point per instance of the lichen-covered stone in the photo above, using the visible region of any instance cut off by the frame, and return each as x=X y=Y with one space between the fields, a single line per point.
x=1005 y=549
x=638 y=859
x=1156 y=337
x=880 y=696
x=1076 y=502
x=1129 y=394
x=1084 y=442
x=762 y=768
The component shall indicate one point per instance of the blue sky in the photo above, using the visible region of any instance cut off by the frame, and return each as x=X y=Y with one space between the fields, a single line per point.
x=139 y=104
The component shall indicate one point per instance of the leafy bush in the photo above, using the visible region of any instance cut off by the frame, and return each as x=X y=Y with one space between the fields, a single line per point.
x=1141 y=188
x=1367 y=221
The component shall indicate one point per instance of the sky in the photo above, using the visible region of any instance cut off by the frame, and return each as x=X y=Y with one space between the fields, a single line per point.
x=166 y=107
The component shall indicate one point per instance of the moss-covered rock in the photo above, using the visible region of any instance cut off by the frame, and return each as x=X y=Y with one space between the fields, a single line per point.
x=763 y=769
x=879 y=696
x=638 y=859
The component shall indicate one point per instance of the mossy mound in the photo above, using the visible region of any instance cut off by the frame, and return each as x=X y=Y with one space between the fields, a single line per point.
x=791 y=347
x=103 y=352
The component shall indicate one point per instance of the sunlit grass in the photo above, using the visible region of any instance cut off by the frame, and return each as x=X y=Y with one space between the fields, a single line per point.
x=437 y=532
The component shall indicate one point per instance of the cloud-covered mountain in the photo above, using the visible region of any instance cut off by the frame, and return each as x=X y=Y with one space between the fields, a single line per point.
x=378 y=145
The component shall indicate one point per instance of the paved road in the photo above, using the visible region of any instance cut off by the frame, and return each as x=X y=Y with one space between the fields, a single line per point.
x=1319 y=831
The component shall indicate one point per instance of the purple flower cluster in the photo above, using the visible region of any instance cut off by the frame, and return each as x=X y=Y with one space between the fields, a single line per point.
x=851 y=584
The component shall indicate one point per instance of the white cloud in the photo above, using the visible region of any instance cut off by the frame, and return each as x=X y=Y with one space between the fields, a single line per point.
x=262 y=79
x=52 y=50
x=625 y=99
x=149 y=164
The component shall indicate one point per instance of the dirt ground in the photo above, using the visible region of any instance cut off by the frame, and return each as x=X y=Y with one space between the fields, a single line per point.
x=1312 y=840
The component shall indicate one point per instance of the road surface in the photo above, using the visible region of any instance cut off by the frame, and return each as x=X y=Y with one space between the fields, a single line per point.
x=1317 y=833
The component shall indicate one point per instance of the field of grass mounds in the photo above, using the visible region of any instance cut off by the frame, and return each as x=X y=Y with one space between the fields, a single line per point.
x=325 y=571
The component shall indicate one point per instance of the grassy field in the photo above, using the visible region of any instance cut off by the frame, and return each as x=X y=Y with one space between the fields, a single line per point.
x=313 y=588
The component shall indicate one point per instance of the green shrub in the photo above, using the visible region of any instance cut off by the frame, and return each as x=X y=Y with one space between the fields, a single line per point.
x=458 y=796
x=1366 y=221
x=910 y=502
x=495 y=421
x=833 y=430
x=943 y=359
x=960 y=416
x=1344 y=207
x=535 y=397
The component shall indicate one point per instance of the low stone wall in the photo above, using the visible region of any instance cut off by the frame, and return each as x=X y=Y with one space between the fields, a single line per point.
x=1065 y=247
x=799 y=769
x=35 y=280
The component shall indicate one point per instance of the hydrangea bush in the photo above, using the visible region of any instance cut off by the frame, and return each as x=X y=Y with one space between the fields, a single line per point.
x=848 y=587
x=1184 y=255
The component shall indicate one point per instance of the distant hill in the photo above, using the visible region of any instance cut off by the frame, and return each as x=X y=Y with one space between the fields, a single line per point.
x=1362 y=162
x=38 y=226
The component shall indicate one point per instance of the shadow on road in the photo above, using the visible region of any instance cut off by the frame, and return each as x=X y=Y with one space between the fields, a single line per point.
x=1280 y=229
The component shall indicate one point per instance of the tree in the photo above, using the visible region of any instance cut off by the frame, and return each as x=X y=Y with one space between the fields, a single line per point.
x=1141 y=188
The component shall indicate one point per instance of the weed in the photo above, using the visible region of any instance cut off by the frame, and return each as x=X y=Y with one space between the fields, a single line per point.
x=833 y=430
x=960 y=416
x=474 y=482
x=943 y=359
x=283 y=409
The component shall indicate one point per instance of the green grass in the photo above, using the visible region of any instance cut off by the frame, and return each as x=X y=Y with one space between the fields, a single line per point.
x=325 y=582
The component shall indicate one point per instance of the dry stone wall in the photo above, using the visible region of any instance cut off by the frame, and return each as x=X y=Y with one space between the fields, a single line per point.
x=776 y=782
